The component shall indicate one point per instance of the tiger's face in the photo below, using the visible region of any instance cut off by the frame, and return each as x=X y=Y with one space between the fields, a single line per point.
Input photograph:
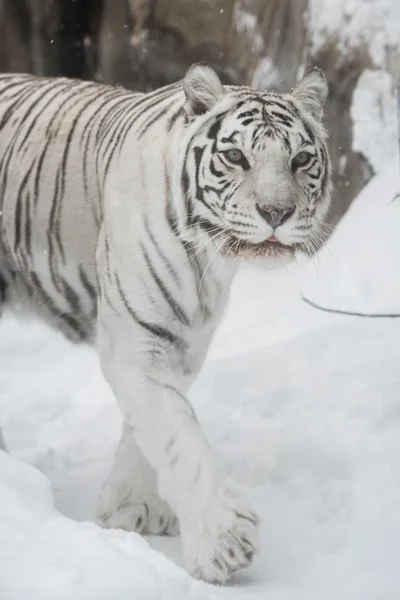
x=255 y=171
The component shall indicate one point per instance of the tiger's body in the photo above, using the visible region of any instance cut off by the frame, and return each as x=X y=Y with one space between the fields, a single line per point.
x=122 y=219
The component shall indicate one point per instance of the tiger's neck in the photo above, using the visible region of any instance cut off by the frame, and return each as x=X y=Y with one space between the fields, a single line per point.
x=152 y=167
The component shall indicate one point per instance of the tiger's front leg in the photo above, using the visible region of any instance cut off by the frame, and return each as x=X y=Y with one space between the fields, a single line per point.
x=218 y=530
x=129 y=498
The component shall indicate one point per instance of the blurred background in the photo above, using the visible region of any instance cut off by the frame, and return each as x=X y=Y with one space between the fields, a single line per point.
x=144 y=44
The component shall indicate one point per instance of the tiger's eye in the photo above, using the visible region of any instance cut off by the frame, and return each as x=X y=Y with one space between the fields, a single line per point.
x=234 y=155
x=301 y=159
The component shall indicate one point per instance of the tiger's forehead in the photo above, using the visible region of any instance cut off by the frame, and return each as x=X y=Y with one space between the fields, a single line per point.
x=259 y=118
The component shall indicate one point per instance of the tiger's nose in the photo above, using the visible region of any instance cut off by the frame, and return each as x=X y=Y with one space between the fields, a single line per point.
x=273 y=215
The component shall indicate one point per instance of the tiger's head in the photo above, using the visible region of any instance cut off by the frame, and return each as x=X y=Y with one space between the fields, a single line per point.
x=254 y=169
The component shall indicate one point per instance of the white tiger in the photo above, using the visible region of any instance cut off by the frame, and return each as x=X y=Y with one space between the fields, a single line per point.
x=123 y=219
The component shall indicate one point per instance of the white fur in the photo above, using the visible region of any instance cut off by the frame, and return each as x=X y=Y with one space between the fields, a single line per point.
x=202 y=88
x=312 y=92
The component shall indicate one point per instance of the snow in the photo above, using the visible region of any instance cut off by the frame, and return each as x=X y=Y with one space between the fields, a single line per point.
x=374 y=24
x=374 y=116
x=44 y=555
x=302 y=406
x=361 y=263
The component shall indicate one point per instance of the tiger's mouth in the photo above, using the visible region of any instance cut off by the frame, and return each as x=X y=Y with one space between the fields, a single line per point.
x=237 y=247
x=232 y=246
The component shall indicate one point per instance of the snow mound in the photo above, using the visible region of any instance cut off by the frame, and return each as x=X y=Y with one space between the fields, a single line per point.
x=358 y=268
x=45 y=556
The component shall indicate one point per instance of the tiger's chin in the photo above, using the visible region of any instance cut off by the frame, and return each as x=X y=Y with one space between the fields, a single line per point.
x=266 y=254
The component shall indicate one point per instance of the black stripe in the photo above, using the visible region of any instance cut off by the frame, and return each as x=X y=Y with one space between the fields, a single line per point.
x=90 y=289
x=173 y=390
x=156 y=330
x=72 y=323
x=175 y=307
x=257 y=134
x=315 y=176
x=77 y=91
x=171 y=217
x=213 y=170
x=18 y=209
x=275 y=102
x=199 y=194
x=71 y=297
x=215 y=127
x=174 y=117
x=166 y=386
x=111 y=119
x=151 y=121
x=105 y=297
x=50 y=236
x=113 y=107
x=62 y=173
x=185 y=185
x=92 y=99
x=159 y=96
x=249 y=113
x=325 y=165
x=231 y=138
x=111 y=134
x=285 y=119
x=24 y=94
x=42 y=109
x=248 y=121
x=38 y=173
x=173 y=272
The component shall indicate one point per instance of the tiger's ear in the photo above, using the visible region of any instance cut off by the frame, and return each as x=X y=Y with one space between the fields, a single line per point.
x=312 y=92
x=202 y=89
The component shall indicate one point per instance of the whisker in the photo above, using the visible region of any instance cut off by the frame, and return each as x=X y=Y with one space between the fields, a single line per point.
x=213 y=258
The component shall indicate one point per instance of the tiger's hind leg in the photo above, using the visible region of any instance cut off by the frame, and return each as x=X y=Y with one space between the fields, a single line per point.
x=129 y=498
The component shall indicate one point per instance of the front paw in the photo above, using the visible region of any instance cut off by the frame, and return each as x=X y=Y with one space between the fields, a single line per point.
x=147 y=515
x=219 y=539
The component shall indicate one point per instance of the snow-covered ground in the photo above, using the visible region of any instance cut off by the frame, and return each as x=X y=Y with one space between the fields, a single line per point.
x=357 y=269
x=303 y=407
